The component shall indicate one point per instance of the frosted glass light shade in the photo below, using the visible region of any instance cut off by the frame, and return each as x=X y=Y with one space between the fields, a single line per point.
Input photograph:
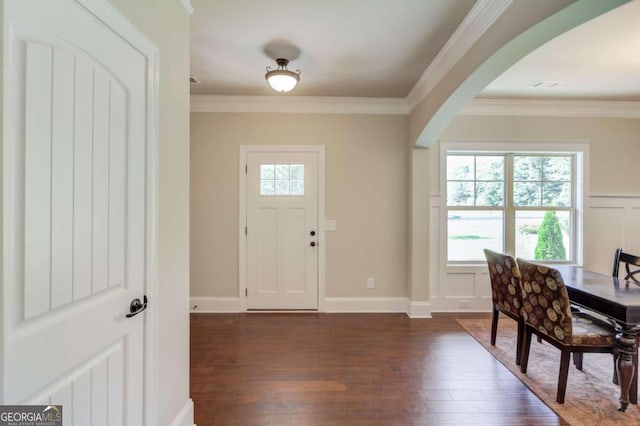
x=281 y=79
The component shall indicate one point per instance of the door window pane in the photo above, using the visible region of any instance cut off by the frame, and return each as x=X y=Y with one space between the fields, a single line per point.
x=296 y=187
x=282 y=187
x=282 y=179
x=267 y=171
x=282 y=171
x=267 y=187
x=296 y=171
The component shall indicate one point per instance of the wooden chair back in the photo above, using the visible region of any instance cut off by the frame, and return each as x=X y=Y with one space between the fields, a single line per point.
x=629 y=261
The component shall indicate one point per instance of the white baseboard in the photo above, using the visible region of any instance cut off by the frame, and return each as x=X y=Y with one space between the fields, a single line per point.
x=419 y=310
x=185 y=416
x=366 y=304
x=215 y=305
x=331 y=305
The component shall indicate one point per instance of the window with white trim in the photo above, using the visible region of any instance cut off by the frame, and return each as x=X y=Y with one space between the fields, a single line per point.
x=523 y=203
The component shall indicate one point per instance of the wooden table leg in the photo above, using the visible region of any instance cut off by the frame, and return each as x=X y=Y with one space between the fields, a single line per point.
x=626 y=349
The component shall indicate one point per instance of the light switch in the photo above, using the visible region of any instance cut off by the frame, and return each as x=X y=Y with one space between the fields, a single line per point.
x=330 y=225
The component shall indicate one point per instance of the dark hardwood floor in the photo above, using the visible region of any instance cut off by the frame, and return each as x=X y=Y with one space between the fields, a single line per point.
x=350 y=369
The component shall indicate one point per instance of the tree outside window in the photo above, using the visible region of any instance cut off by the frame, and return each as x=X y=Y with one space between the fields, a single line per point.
x=550 y=245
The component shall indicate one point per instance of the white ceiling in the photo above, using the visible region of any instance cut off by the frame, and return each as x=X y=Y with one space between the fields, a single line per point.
x=380 y=48
x=598 y=60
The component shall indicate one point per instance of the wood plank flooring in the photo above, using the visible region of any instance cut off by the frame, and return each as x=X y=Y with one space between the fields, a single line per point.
x=350 y=369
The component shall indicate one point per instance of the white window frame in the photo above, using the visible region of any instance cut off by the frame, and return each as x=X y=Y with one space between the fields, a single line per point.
x=579 y=149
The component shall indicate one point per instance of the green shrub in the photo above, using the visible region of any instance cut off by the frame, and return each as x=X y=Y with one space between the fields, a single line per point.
x=550 y=245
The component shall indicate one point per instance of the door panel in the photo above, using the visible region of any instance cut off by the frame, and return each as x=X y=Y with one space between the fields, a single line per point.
x=75 y=177
x=282 y=211
x=296 y=236
x=51 y=178
x=88 y=390
x=267 y=232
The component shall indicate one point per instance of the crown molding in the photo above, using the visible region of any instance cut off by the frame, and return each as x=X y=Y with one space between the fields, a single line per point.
x=187 y=6
x=481 y=16
x=553 y=108
x=299 y=105
x=399 y=106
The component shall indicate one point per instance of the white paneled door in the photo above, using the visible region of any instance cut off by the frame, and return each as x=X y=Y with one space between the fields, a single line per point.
x=75 y=213
x=282 y=230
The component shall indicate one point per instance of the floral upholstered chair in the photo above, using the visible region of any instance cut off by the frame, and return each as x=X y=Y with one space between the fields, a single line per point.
x=505 y=293
x=547 y=314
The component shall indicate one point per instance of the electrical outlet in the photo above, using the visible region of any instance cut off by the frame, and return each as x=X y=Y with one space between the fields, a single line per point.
x=370 y=283
x=464 y=304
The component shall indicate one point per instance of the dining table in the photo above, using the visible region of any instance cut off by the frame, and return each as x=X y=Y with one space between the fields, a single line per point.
x=618 y=302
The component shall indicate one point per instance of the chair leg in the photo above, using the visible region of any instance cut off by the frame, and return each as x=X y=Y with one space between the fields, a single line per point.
x=615 y=369
x=563 y=375
x=633 y=390
x=577 y=360
x=519 y=341
x=526 y=345
x=494 y=325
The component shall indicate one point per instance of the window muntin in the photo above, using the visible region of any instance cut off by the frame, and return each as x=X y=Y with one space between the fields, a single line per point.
x=499 y=201
x=475 y=180
x=542 y=181
x=281 y=179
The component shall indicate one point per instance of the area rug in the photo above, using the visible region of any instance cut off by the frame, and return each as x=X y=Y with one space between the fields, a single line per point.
x=591 y=398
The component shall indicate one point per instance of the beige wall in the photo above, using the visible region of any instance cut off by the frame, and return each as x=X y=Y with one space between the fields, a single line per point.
x=369 y=186
x=614 y=144
x=367 y=175
x=167 y=24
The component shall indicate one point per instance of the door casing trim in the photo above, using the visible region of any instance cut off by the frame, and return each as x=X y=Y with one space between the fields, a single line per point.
x=242 y=214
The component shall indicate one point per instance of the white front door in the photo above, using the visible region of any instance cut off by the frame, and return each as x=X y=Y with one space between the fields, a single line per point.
x=282 y=230
x=74 y=206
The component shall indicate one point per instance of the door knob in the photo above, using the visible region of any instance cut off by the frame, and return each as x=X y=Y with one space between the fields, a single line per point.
x=136 y=307
x=313 y=243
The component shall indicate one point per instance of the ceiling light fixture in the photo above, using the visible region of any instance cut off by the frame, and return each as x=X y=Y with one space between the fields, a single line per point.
x=281 y=79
